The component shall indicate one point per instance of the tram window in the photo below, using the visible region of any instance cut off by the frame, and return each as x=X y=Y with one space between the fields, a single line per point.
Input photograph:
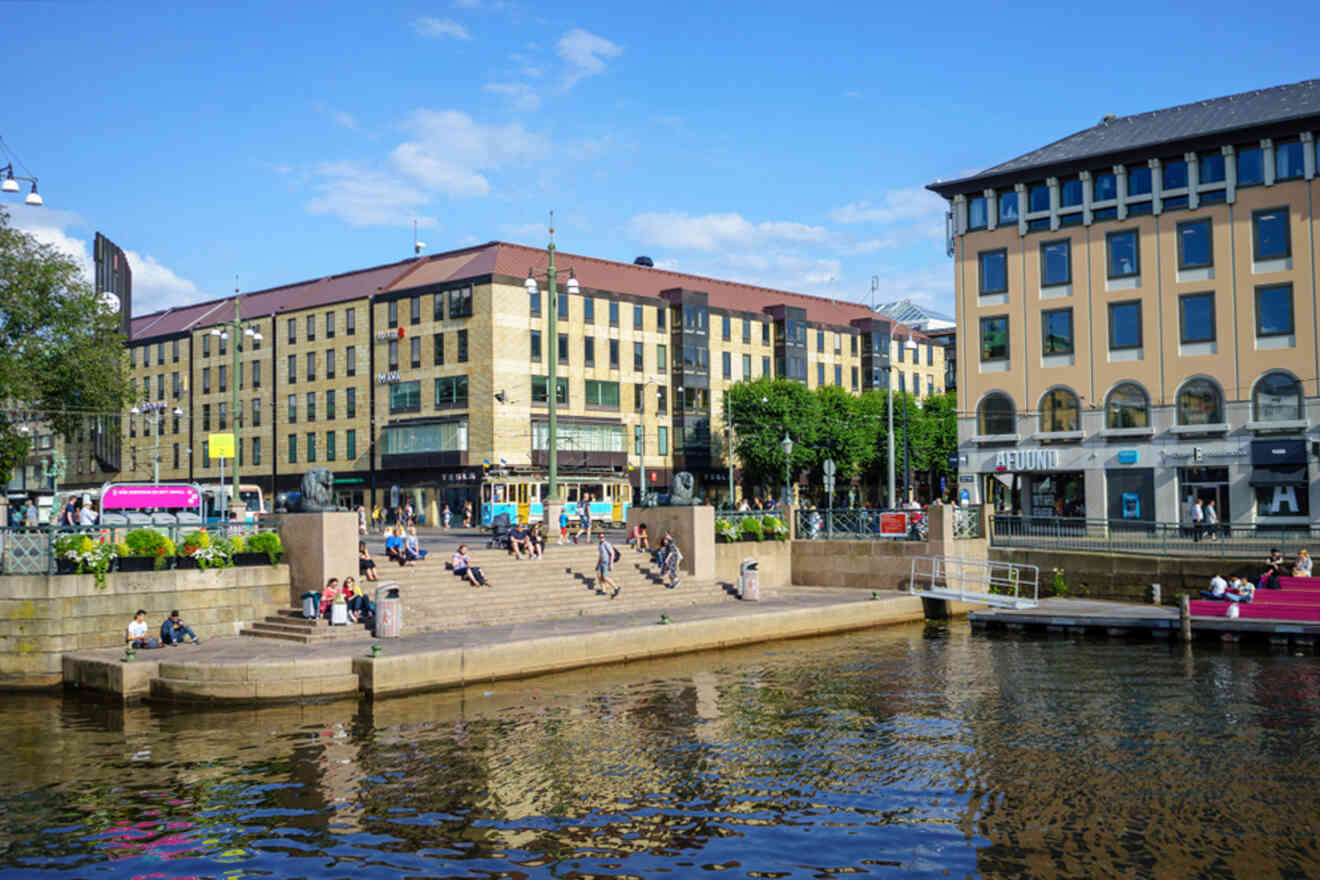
x=571 y=492
x=595 y=491
x=535 y=490
x=544 y=491
x=485 y=493
x=499 y=493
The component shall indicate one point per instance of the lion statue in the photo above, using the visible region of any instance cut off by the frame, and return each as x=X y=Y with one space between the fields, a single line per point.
x=317 y=491
x=681 y=492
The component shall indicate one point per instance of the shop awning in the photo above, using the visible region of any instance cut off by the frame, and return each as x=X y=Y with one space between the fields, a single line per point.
x=1278 y=476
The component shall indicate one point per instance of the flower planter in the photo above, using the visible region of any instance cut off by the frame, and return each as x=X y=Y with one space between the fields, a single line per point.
x=66 y=566
x=137 y=563
x=185 y=562
x=251 y=559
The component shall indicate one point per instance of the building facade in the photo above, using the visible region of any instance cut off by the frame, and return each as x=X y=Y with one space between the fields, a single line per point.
x=421 y=375
x=1138 y=312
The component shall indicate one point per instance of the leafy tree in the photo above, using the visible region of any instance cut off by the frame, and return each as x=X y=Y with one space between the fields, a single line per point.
x=937 y=434
x=61 y=352
x=846 y=433
x=762 y=412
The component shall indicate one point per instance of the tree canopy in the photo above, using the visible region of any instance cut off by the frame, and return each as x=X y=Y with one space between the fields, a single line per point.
x=61 y=349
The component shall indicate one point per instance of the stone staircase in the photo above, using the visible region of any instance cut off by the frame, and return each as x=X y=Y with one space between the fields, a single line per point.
x=560 y=585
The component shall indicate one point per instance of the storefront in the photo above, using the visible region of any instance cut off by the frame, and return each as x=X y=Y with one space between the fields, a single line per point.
x=1033 y=482
x=1205 y=484
x=1280 y=479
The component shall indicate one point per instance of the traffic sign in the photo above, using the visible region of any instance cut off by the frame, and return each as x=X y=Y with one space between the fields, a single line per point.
x=220 y=445
x=828 y=467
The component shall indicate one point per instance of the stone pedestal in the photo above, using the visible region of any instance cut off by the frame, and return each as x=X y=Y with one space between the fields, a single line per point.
x=551 y=524
x=317 y=547
x=692 y=527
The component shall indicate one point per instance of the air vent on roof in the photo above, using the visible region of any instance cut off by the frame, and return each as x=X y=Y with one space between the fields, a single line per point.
x=1107 y=118
x=644 y=261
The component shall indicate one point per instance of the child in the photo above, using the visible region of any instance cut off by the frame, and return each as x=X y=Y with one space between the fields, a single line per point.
x=563 y=524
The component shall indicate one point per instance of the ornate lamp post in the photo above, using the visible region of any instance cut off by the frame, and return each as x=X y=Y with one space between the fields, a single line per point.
x=787 y=444
x=909 y=346
x=235 y=330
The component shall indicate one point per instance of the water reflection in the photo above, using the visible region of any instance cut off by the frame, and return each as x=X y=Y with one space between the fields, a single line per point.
x=918 y=748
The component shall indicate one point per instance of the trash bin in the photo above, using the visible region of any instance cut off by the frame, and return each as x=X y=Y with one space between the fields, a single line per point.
x=310 y=605
x=389 y=612
x=749 y=581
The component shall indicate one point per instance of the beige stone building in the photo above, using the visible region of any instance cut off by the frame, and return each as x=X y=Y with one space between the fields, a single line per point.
x=1138 y=316
x=428 y=373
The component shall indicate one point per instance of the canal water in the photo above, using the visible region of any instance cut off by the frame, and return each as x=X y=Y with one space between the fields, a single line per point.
x=920 y=751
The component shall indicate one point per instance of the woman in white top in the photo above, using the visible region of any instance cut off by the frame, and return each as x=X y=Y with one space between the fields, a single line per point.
x=1302 y=568
x=136 y=634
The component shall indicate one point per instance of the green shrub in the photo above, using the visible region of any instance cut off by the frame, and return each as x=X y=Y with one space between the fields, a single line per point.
x=1059 y=585
x=70 y=545
x=193 y=541
x=268 y=543
x=149 y=542
x=750 y=529
x=774 y=529
x=236 y=544
x=724 y=531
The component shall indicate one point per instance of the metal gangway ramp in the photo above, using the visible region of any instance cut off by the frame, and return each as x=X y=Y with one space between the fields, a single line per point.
x=1002 y=584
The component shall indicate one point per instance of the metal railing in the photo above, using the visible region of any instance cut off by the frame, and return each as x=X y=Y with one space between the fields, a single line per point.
x=856 y=524
x=31 y=549
x=1150 y=538
x=975 y=580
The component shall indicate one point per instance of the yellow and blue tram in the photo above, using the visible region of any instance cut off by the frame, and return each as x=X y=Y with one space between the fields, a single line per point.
x=519 y=495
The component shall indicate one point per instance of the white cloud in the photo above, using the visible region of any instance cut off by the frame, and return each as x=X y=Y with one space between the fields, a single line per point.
x=156 y=286
x=449 y=151
x=871 y=245
x=712 y=232
x=51 y=227
x=585 y=54
x=775 y=269
x=528 y=64
x=338 y=117
x=897 y=206
x=365 y=196
x=521 y=95
x=429 y=26
x=928 y=286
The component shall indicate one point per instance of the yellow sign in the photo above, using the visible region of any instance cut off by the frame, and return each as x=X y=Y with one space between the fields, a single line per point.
x=221 y=445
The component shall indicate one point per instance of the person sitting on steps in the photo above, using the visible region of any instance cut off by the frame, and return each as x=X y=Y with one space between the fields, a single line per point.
x=394 y=546
x=1218 y=589
x=328 y=596
x=535 y=541
x=136 y=634
x=359 y=606
x=174 y=629
x=638 y=538
x=518 y=541
x=464 y=568
x=411 y=547
x=366 y=565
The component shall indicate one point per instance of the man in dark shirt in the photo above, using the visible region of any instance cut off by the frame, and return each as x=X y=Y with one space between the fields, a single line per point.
x=518 y=541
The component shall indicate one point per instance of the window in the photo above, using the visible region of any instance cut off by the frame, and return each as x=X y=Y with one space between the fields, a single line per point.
x=1124 y=254
x=311 y=447
x=224 y=378
x=293 y=409
x=350 y=402
x=602 y=394
x=563 y=307
x=1125 y=325
x=1055 y=262
x=994 y=338
x=1288 y=160
x=765 y=332
x=256 y=413
x=460 y=302
x=293 y=331
x=330 y=405
x=350 y=361
x=820 y=375
x=206 y=417
x=838 y=344
x=563 y=348
x=1196 y=317
x=1060 y=411
x=639 y=398
x=765 y=366
x=1008 y=208
x=996 y=416
x=1127 y=407
x=256 y=451
x=746 y=331
x=160 y=351
x=660 y=312
x=536 y=345
x=976 y=213
x=1138 y=180
x=589 y=352
x=132 y=353
x=350 y=444
x=662 y=440
x=256 y=377
x=406 y=396
x=206 y=380
x=438 y=347
x=838 y=375
x=661 y=399
x=539 y=390
x=329 y=325
x=662 y=358
x=1194 y=249
x=451 y=392
x=726 y=328
x=588 y=310
x=1173 y=174
x=415 y=351
x=392 y=311
x=1104 y=186
x=350 y=321
x=820 y=341
x=1250 y=166
x=1070 y=193
x=639 y=357
x=614 y=354
x=1210 y=168
x=1277 y=398
x=854 y=378
x=438 y=307
x=1038 y=198
x=1269 y=234
x=311 y=366
x=462 y=346
x=533 y=302
x=311 y=406
x=293 y=448
x=329 y=445
x=637 y=317
x=1200 y=403
x=1274 y=310
x=415 y=309
x=1057 y=331
x=174 y=350
x=747 y=366
x=993 y=271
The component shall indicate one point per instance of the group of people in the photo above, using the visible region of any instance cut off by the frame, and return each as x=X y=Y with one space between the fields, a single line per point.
x=76 y=513
x=1203 y=519
x=526 y=539
x=173 y=631
x=1240 y=589
x=583 y=521
x=403 y=547
x=360 y=608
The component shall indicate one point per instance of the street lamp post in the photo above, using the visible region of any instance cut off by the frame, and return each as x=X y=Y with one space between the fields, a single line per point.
x=155 y=414
x=889 y=400
x=235 y=331
x=552 y=383
x=787 y=444
x=910 y=347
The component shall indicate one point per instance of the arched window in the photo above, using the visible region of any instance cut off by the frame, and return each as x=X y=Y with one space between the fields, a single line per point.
x=997 y=414
x=1127 y=407
x=1277 y=398
x=1200 y=403
x=1060 y=411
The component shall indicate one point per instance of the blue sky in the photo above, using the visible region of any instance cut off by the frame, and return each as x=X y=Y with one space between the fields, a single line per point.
x=770 y=143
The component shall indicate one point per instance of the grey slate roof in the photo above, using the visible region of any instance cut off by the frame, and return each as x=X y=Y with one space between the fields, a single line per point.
x=1274 y=105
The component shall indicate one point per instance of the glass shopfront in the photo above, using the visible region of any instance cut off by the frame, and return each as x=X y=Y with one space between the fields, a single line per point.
x=1207 y=484
x=1280 y=477
x=1058 y=495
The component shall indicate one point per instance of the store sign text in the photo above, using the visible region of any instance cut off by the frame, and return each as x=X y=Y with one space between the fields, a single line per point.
x=1284 y=502
x=1028 y=460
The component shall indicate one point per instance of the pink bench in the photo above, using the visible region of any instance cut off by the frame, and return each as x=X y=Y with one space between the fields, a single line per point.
x=1257 y=611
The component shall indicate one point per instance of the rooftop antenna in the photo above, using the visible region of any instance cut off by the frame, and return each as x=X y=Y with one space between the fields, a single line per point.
x=417 y=245
x=875 y=285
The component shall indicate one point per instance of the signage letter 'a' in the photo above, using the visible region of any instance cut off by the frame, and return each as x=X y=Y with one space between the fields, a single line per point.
x=1284 y=495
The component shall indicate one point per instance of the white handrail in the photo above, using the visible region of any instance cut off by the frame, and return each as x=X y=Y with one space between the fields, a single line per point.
x=975 y=580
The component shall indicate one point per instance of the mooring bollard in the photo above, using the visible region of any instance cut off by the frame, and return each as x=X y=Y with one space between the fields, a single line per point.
x=1185 y=616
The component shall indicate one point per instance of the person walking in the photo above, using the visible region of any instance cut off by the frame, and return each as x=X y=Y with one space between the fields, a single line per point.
x=445 y=515
x=584 y=518
x=669 y=562
x=1211 y=519
x=605 y=556
x=1198 y=517
x=30 y=514
x=375 y=517
x=362 y=520
x=467 y=514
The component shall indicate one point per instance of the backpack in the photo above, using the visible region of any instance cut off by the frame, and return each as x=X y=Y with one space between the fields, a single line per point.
x=617 y=554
